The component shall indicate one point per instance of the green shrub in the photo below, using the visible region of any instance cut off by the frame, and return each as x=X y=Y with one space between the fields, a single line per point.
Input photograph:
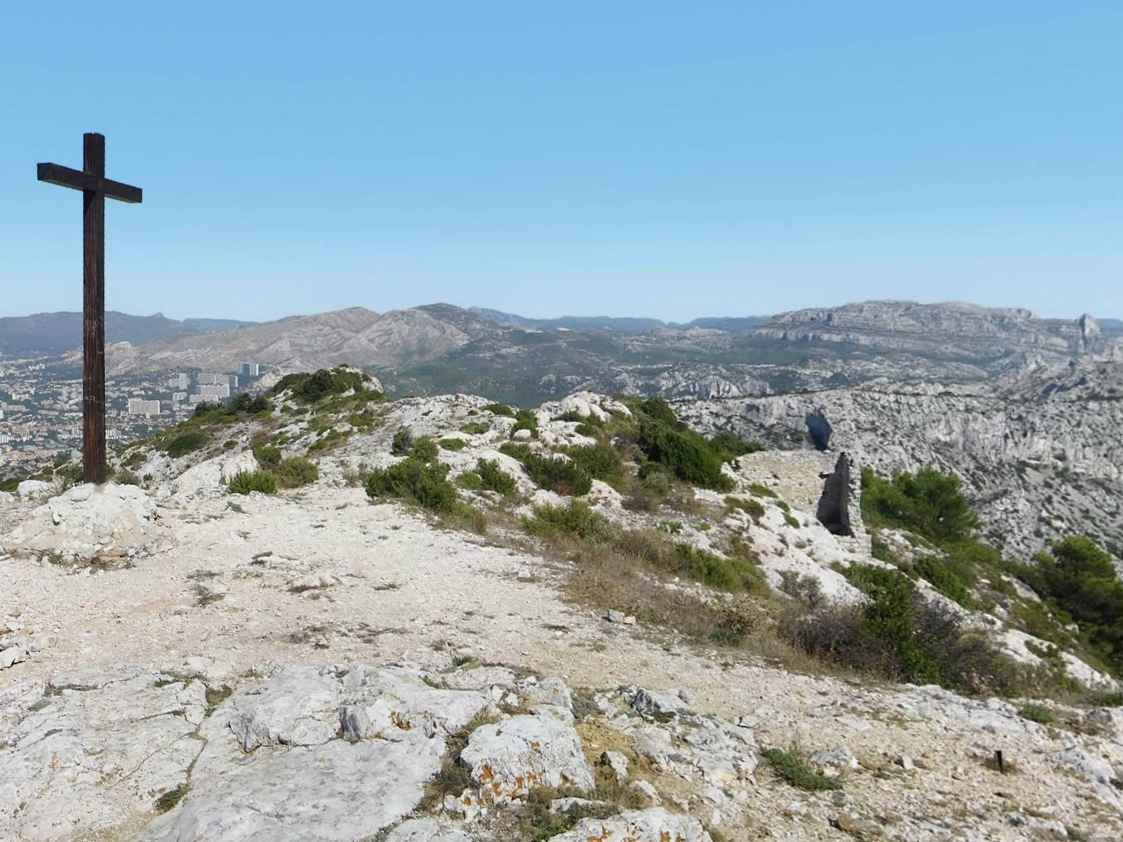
x=402 y=443
x=1037 y=713
x=469 y=480
x=726 y=574
x=600 y=461
x=686 y=453
x=657 y=483
x=1079 y=580
x=126 y=477
x=575 y=519
x=559 y=475
x=186 y=443
x=727 y=445
x=425 y=448
x=500 y=409
x=928 y=503
x=419 y=480
x=761 y=490
x=310 y=388
x=493 y=477
x=247 y=482
x=944 y=579
x=296 y=472
x=658 y=410
x=794 y=770
x=475 y=428
x=526 y=419
x=754 y=508
x=516 y=450
x=452 y=444
x=267 y=455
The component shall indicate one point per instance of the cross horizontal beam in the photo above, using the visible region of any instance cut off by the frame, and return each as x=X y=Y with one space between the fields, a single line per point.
x=78 y=180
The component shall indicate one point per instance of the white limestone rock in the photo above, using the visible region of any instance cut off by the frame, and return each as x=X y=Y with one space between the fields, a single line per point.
x=89 y=519
x=512 y=757
x=651 y=825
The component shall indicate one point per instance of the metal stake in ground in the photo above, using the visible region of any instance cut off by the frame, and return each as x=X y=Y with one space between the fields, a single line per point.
x=95 y=188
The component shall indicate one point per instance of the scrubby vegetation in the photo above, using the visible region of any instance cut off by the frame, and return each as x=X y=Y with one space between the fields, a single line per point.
x=293 y=472
x=500 y=409
x=247 y=482
x=928 y=503
x=687 y=454
x=312 y=388
x=1078 y=581
x=526 y=419
x=554 y=473
x=186 y=443
x=793 y=769
x=494 y=478
x=416 y=479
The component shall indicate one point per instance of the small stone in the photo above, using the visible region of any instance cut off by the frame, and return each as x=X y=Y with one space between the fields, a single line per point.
x=629 y=620
x=43 y=641
x=618 y=763
x=320 y=641
x=905 y=762
x=648 y=790
x=11 y=656
x=521 y=435
x=614 y=616
x=747 y=721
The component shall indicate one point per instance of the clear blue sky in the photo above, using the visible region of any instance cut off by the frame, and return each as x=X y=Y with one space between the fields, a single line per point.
x=624 y=158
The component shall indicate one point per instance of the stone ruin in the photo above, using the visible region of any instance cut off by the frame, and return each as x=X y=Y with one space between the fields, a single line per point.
x=840 y=509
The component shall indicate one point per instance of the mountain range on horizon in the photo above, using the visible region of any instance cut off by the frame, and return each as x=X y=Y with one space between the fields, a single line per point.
x=54 y=334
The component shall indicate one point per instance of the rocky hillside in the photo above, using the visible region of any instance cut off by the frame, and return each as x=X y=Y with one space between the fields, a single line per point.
x=52 y=334
x=323 y=615
x=1041 y=452
x=949 y=330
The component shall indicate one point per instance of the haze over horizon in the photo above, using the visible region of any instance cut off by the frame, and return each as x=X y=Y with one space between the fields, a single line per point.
x=638 y=160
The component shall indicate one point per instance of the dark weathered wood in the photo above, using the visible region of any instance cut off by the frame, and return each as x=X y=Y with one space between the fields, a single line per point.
x=93 y=313
x=95 y=189
x=66 y=177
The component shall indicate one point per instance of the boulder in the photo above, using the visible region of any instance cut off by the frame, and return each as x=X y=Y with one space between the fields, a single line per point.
x=521 y=753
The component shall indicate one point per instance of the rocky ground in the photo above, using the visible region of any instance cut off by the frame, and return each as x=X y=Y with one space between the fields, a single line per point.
x=194 y=665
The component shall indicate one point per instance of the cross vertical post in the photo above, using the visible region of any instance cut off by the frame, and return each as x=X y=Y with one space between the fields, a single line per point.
x=95 y=188
x=93 y=314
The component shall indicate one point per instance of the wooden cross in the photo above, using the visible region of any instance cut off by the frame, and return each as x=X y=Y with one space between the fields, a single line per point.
x=95 y=188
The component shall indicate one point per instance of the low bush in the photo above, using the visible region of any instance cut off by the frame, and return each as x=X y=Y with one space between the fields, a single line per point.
x=453 y=444
x=296 y=472
x=526 y=419
x=493 y=477
x=186 y=443
x=414 y=479
x=469 y=480
x=557 y=474
x=247 y=482
x=475 y=428
x=728 y=445
x=599 y=461
x=425 y=448
x=126 y=477
x=761 y=490
x=754 y=508
x=794 y=770
x=684 y=452
x=725 y=574
x=310 y=388
x=944 y=579
x=402 y=443
x=500 y=409
x=900 y=636
x=928 y=503
x=267 y=455
x=1037 y=713
x=576 y=520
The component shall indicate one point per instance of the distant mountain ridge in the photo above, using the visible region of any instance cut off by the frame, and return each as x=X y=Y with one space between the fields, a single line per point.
x=53 y=334
x=622 y=324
